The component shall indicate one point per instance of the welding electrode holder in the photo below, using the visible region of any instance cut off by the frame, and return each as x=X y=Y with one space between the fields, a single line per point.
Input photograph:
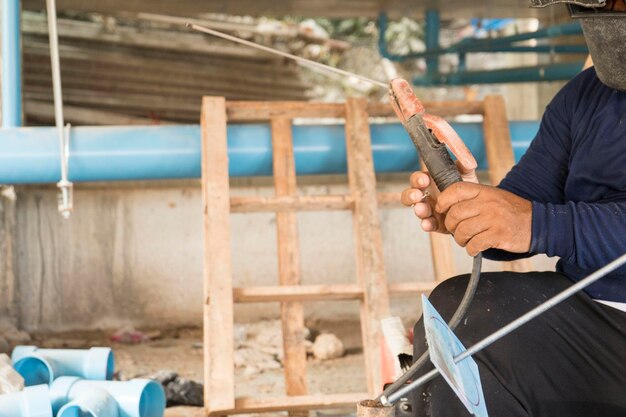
x=435 y=154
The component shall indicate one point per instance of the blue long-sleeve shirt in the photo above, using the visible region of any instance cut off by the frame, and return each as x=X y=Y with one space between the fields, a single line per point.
x=574 y=172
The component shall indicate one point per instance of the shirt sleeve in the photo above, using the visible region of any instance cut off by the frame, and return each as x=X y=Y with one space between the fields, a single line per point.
x=588 y=235
x=541 y=173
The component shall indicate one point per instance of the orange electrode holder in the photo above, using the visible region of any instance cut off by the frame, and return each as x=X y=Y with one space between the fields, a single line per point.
x=406 y=105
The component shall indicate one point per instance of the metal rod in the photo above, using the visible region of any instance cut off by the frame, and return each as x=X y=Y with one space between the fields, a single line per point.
x=11 y=64
x=301 y=60
x=65 y=203
x=515 y=324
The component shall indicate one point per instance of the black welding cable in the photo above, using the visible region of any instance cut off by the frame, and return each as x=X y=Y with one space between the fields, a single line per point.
x=454 y=321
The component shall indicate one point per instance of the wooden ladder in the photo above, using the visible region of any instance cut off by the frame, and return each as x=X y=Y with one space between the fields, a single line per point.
x=371 y=288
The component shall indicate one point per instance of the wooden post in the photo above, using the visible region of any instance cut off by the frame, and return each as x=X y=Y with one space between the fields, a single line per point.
x=292 y=313
x=441 y=249
x=219 y=370
x=500 y=155
x=368 y=239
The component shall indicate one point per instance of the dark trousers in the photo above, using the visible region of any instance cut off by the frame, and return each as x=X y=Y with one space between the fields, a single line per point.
x=570 y=361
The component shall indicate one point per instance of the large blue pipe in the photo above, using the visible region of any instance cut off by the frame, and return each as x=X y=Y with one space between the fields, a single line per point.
x=31 y=155
x=11 y=64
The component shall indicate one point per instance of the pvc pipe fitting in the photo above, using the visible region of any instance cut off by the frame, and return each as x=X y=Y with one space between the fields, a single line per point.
x=75 y=397
x=42 y=366
x=32 y=402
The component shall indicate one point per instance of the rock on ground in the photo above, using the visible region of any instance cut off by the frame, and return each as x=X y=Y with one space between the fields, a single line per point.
x=328 y=346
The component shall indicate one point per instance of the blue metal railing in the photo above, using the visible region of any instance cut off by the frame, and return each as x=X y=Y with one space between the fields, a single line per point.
x=550 y=72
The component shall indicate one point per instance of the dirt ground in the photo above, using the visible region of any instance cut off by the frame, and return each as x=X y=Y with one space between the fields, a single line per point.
x=181 y=351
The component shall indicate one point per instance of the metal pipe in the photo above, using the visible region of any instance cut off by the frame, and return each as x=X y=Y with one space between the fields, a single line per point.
x=514 y=325
x=11 y=64
x=551 y=72
x=31 y=155
x=65 y=186
x=491 y=45
x=432 y=41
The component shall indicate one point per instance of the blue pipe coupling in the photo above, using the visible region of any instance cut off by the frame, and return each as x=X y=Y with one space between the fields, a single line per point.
x=31 y=402
x=75 y=397
x=42 y=366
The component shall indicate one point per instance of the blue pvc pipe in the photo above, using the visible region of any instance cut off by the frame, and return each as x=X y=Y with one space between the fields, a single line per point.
x=74 y=397
x=31 y=155
x=42 y=366
x=31 y=402
x=11 y=64
x=552 y=72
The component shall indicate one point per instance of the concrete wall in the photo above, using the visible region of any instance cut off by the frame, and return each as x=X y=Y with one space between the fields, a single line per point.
x=8 y=290
x=132 y=254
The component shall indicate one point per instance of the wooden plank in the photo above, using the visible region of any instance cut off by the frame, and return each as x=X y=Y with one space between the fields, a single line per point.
x=389 y=199
x=248 y=111
x=306 y=202
x=291 y=203
x=368 y=239
x=161 y=79
x=410 y=288
x=291 y=312
x=247 y=405
x=264 y=294
x=500 y=155
x=190 y=42
x=439 y=108
x=40 y=110
x=443 y=256
x=219 y=370
x=442 y=252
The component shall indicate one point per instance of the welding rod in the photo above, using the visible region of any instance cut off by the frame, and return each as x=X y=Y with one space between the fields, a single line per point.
x=296 y=58
x=515 y=324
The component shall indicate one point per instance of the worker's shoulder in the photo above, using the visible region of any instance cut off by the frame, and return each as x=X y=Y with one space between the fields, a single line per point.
x=583 y=89
x=582 y=83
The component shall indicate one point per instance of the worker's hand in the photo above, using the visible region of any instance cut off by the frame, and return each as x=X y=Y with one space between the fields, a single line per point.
x=482 y=217
x=424 y=208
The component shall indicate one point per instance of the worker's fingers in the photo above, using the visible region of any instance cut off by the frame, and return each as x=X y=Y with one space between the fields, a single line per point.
x=420 y=180
x=468 y=229
x=456 y=193
x=423 y=210
x=430 y=224
x=481 y=242
x=411 y=196
x=460 y=212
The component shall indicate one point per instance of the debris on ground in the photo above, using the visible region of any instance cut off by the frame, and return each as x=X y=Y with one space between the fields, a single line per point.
x=328 y=346
x=179 y=390
x=129 y=335
x=4 y=345
x=13 y=336
x=10 y=380
x=259 y=346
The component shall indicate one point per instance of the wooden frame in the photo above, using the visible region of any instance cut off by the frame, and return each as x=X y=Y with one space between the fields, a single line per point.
x=371 y=288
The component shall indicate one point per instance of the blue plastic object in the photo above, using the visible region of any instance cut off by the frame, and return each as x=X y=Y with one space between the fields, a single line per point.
x=75 y=397
x=31 y=155
x=42 y=366
x=11 y=64
x=31 y=402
